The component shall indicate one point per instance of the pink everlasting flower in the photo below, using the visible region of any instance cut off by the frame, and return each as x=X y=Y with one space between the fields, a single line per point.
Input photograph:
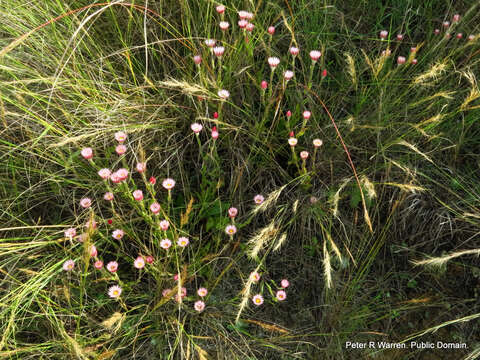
x=401 y=60
x=281 y=295
x=122 y=174
x=202 y=292
x=383 y=34
x=220 y=9
x=446 y=24
x=166 y=292
x=273 y=62
x=292 y=141
x=414 y=61
x=218 y=51
x=86 y=203
x=141 y=167
x=459 y=35
x=115 y=178
x=294 y=50
x=164 y=224
x=120 y=136
x=168 y=183
x=436 y=31
x=210 y=42
x=91 y=224
x=114 y=291
x=155 y=208
x=288 y=75
x=82 y=237
x=386 y=52
x=249 y=27
x=152 y=180
x=304 y=155
x=399 y=37
x=215 y=115
x=121 y=149
x=196 y=127
x=324 y=73
x=245 y=15
x=288 y=113
x=224 y=25
x=214 y=133
x=231 y=229
x=87 y=153
x=263 y=84
x=315 y=55
x=317 y=143
x=413 y=49
x=456 y=18
x=149 y=259
x=98 y=264
x=139 y=262
x=165 y=244
x=175 y=277
x=232 y=212
x=108 y=196
x=183 y=241
x=255 y=276
x=70 y=233
x=223 y=94
x=257 y=299
x=242 y=23
x=199 y=305
x=271 y=30
x=258 y=199
x=118 y=234
x=471 y=37
x=284 y=283
x=138 y=195
x=307 y=114
x=104 y=173
x=112 y=266
x=197 y=59
x=68 y=265
x=93 y=251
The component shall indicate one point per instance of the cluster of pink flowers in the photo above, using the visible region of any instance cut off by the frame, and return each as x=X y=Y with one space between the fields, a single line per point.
x=280 y=295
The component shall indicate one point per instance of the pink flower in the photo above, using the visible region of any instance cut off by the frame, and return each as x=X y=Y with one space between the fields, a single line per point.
x=284 y=283
x=288 y=113
x=210 y=42
x=446 y=24
x=271 y=30
x=120 y=136
x=139 y=263
x=85 y=203
x=399 y=37
x=199 y=305
x=401 y=60
x=141 y=167
x=324 y=73
x=258 y=199
x=120 y=149
x=414 y=61
x=413 y=49
x=281 y=295
x=459 y=35
x=263 y=84
x=249 y=27
x=471 y=37
x=98 y=264
x=183 y=241
x=317 y=143
x=70 y=233
x=104 y=173
x=214 y=133
x=175 y=277
x=220 y=9
x=304 y=155
x=149 y=259
x=386 y=52
x=138 y=195
x=436 y=31
x=255 y=276
x=196 y=127
x=165 y=244
x=91 y=224
x=224 y=25
x=288 y=75
x=115 y=178
x=166 y=292
x=114 y=291
x=164 y=224
x=292 y=141
x=315 y=55
x=245 y=15
x=223 y=94
x=383 y=34
x=273 y=62
x=197 y=59
x=215 y=115
x=152 y=180
x=82 y=237
x=112 y=266
x=448 y=35
x=232 y=212
x=183 y=293
x=294 y=50
x=68 y=265
x=242 y=23
x=202 y=292
x=218 y=51
x=456 y=18
x=155 y=208
x=87 y=153
x=257 y=299
x=93 y=251
x=122 y=174
x=108 y=196
x=118 y=234
x=231 y=229
x=168 y=183
x=307 y=114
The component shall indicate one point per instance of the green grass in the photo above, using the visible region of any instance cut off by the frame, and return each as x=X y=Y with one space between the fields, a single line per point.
x=396 y=180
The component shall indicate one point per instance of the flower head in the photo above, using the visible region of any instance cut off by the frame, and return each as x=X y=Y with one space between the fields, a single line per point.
x=224 y=25
x=112 y=266
x=317 y=143
x=210 y=42
x=93 y=250
x=122 y=174
x=249 y=27
x=218 y=51
x=258 y=199
x=294 y=50
x=446 y=24
x=288 y=75
x=108 y=196
x=230 y=229
x=436 y=31
x=91 y=224
x=399 y=37
x=166 y=292
x=87 y=153
x=98 y=264
x=199 y=305
x=315 y=55
x=120 y=136
x=165 y=244
x=214 y=133
x=220 y=9
x=324 y=73
x=271 y=30
x=284 y=283
x=139 y=262
x=202 y=292
x=70 y=233
x=155 y=208
x=257 y=299
x=196 y=127
x=232 y=212
x=273 y=62
x=304 y=155
x=164 y=224
x=459 y=35
x=223 y=94
x=242 y=23
x=183 y=241
x=138 y=195
x=414 y=61
x=149 y=259
x=86 y=203
x=281 y=295
x=114 y=291
x=383 y=34
x=263 y=84
x=197 y=59
x=456 y=18
x=288 y=113
x=120 y=149
x=401 y=60
x=471 y=37
x=168 y=183
x=255 y=276
x=68 y=265
x=152 y=180
x=104 y=173
x=242 y=14
x=292 y=141
x=141 y=167
x=307 y=114
x=118 y=234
